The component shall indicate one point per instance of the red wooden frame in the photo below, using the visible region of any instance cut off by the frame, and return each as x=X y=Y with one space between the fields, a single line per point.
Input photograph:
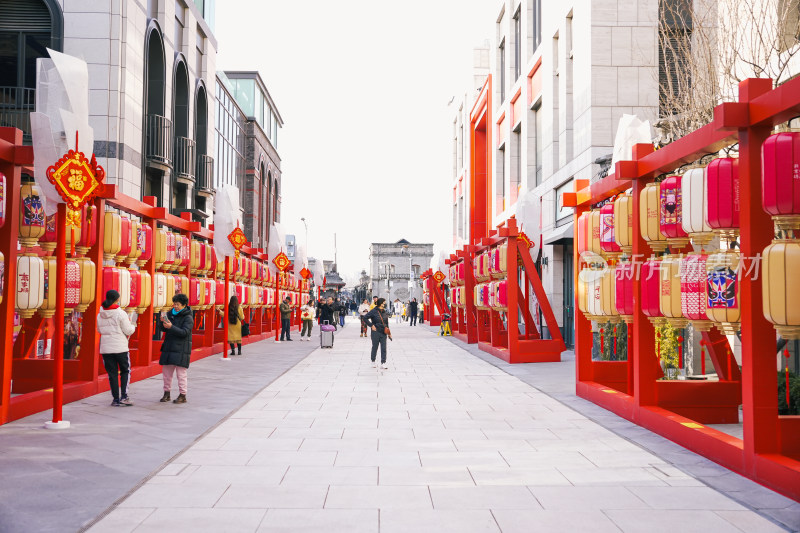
x=769 y=453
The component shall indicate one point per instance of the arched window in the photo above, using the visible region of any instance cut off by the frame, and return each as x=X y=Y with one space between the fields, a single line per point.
x=184 y=165
x=157 y=132
x=275 y=206
x=262 y=201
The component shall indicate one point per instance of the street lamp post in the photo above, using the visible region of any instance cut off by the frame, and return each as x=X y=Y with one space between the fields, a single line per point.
x=303 y=219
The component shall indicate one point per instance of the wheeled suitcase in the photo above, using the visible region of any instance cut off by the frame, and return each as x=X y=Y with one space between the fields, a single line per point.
x=326 y=335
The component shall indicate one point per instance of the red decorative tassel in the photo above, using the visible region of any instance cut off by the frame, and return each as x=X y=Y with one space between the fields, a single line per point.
x=788 y=396
x=602 y=344
x=702 y=357
x=680 y=351
x=72 y=241
x=615 y=340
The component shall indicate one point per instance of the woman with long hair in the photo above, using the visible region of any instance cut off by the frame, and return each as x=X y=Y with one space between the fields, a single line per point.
x=235 y=318
x=363 y=309
x=378 y=321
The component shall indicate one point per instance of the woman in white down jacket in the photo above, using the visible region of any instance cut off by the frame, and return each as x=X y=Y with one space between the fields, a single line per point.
x=115 y=327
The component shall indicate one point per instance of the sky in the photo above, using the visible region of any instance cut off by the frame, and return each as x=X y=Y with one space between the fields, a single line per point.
x=363 y=88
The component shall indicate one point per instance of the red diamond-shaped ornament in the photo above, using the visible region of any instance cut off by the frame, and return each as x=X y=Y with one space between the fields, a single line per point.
x=282 y=262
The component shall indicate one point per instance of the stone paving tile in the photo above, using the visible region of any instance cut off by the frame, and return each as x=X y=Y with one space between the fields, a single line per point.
x=441 y=521
x=483 y=497
x=316 y=520
x=526 y=521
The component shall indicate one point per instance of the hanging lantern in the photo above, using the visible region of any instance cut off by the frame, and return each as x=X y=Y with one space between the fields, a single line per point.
x=29 y=285
x=49 y=240
x=671 y=212
x=182 y=285
x=137 y=290
x=137 y=249
x=498 y=261
x=608 y=243
x=145 y=239
x=185 y=253
x=583 y=232
x=220 y=293
x=160 y=247
x=112 y=235
x=649 y=217
x=722 y=290
x=594 y=297
x=781 y=286
x=2 y=201
x=670 y=294
x=118 y=279
x=169 y=261
x=623 y=297
x=722 y=181
x=88 y=283
x=159 y=291
x=48 y=307
x=481 y=297
x=608 y=293
x=31 y=216
x=583 y=294
x=695 y=206
x=211 y=288
x=72 y=286
x=693 y=291
x=623 y=223
x=780 y=179
x=170 y=284
x=194 y=262
x=194 y=292
x=88 y=231
x=127 y=236
x=147 y=291
x=594 y=232
x=651 y=290
x=498 y=295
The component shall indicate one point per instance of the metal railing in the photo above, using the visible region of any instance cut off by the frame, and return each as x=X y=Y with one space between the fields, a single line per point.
x=185 y=158
x=16 y=104
x=393 y=276
x=158 y=139
x=205 y=172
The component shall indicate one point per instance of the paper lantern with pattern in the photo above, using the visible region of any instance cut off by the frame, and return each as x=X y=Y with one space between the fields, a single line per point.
x=780 y=179
x=671 y=212
x=498 y=261
x=670 y=293
x=144 y=236
x=160 y=248
x=29 y=285
x=194 y=260
x=147 y=292
x=623 y=297
x=781 y=287
x=695 y=206
x=651 y=290
x=649 y=218
x=49 y=294
x=169 y=261
x=722 y=183
x=594 y=232
x=608 y=295
x=88 y=283
x=127 y=237
x=49 y=240
x=170 y=285
x=693 y=291
x=608 y=242
x=112 y=235
x=595 y=301
x=72 y=286
x=31 y=216
x=135 y=251
x=137 y=290
x=623 y=223
x=88 y=233
x=159 y=291
x=583 y=294
x=723 y=304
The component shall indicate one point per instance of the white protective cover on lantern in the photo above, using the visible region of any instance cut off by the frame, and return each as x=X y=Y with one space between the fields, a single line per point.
x=276 y=245
x=226 y=217
x=319 y=273
x=300 y=260
x=441 y=266
x=630 y=131
x=62 y=109
x=527 y=211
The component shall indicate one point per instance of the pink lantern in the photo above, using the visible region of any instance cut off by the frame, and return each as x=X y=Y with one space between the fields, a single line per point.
x=671 y=212
x=126 y=239
x=583 y=232
x=624 y=290
x=194 y=292
x=780 y=179
x=722 y=181
x=72 y=294
x=608 y=243
x=651 y=290
x=693 y=291
x=137 y=290
x=170 y=257
x=145 y=237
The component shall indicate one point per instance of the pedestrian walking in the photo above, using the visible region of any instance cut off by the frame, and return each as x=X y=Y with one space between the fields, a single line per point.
x=176 y=350
x=377 y=320
x=422 y=312
x=115 y=328
x=412 y=312
x=363 y=309
x=398 y=311
x=342 y=313
x=325 y=312
x=307 y=316
x=235 y=318
x=286 y=318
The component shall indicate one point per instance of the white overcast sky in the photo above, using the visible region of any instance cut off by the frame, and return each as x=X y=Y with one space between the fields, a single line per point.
x=363 y=88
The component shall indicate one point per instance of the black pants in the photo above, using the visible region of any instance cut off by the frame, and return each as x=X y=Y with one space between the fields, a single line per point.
x=412 y=319
x=286 y=328
x=378 y=339
x=118 y=366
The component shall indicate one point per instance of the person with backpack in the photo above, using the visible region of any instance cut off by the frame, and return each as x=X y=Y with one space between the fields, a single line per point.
x=307 y=316
x=235 y=318
x=378 y=320
x=412 y=312
x=176 y=349
x=115 y=329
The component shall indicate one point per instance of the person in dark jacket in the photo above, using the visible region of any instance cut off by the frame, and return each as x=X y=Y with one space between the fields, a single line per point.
x=412 y=312
x=286 y=318
x=325 y=312
x=378 y=320
x=177 y=346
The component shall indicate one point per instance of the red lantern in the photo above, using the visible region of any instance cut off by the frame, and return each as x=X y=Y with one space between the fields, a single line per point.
x=170 y=257
x=125 y=240
x=624 y=291
x=722 y=181
x=119 y=280
x=780 y=179
x=651 y=290
x=608 y=243
x=88 y=234
x=220 y=292
x=137 y=290
x=145 y=238
x=72 y=295
x=194 y=292
x=209 y=287
x=693 y=291
x=671 y=212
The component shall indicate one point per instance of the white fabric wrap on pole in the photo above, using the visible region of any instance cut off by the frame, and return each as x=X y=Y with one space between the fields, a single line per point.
x=319 y=273
x=226 y=216
x=62 y=110
x=528 y=216
x=299 y=260
x=275 y=246
x=630 y=131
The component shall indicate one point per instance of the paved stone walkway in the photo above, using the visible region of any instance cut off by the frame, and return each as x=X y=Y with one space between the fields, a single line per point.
x=441 y=441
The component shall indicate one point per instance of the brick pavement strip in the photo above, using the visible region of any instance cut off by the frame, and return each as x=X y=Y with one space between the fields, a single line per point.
x=444 y=440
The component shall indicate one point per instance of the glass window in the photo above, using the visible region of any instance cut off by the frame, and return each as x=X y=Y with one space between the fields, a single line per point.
x=502 y=71
x=245 y=96
x=539 y=141
x=562 y=212
x=537 y=24
x=517 y=45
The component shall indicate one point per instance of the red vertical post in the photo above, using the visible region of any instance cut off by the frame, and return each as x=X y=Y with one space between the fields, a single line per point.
x=277 y=306
x=645 y=365
x=512 y=291
x=583 y=326
x=225 y=307
x=760 y=382
x=58 y=336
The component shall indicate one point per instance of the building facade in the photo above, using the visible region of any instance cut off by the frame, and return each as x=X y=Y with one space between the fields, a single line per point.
x=395 y=269
x=562 y=75
x=151 y=77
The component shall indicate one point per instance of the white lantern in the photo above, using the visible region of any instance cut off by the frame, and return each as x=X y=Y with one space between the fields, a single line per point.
x=29 y=285
x=694 y=195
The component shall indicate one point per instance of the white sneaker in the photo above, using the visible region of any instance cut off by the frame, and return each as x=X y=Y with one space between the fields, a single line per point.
x=374 y=364
x=384 y=366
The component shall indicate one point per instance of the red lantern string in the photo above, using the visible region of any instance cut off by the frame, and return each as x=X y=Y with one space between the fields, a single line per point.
x=702 y=357
x=680 y=351
x=788 y=396
x=615 y=341
x=602 y=344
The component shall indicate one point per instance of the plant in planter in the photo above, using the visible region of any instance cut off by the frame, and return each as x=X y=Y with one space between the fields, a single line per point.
x=668 y=350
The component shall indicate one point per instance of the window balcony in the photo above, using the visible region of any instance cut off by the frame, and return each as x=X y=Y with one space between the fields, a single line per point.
x=205 y=175
x=16 y=104
x=158 y=141
x=185 y=160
